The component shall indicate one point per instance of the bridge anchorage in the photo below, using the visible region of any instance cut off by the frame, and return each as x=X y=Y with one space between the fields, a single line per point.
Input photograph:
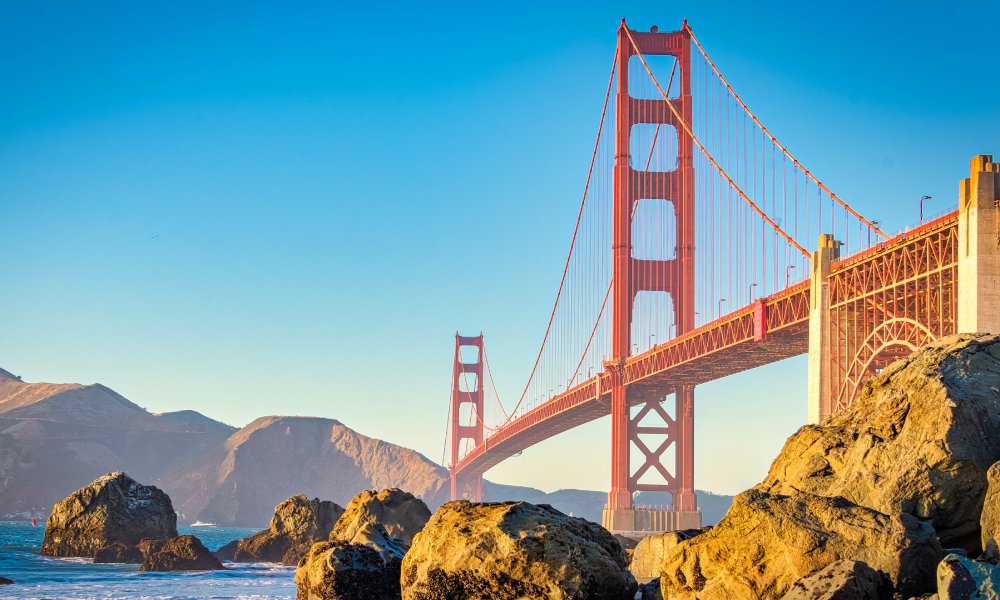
x=709 y=276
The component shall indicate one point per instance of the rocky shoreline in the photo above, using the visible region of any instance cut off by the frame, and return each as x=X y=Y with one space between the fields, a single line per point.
x=897 y=496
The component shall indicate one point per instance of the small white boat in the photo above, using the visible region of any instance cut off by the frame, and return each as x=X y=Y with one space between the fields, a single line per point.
x=200 y=524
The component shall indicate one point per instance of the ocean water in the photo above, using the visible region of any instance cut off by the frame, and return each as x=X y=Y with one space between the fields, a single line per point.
x=37 y=576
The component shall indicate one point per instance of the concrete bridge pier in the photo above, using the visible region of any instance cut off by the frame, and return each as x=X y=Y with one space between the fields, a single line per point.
x=979 y=248
x=820 y=387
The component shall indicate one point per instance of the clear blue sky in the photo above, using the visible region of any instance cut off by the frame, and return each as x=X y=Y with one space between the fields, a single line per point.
x=251 y=209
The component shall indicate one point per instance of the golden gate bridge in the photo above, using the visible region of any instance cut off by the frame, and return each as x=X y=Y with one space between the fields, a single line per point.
x=714 y=268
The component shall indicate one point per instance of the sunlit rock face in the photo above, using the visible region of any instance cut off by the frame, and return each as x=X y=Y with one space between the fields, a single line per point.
x=298 y=522
x=509 y=550
x=888 y=481
x=919 y=440
x=401 y=514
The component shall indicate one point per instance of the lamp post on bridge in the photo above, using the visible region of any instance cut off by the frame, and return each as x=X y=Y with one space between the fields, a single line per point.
x=874 y=224
x=752 y=286
x=922 y=198
x=719 y=311
x=788 y=272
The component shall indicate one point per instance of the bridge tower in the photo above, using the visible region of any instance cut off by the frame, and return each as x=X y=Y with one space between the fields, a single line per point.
x=632 y=275
x=466 y=414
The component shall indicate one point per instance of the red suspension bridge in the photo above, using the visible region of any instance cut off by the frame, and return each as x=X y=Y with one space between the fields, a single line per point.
x=710 y=273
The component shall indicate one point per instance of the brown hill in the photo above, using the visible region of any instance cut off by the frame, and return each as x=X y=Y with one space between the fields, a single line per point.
x=56 y=437
x=257 y=467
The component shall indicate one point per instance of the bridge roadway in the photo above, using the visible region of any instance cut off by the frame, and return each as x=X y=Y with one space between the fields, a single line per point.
x=769 y=330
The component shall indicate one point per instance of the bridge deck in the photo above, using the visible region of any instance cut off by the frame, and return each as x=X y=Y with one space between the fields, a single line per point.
x=726 y=346
x=770 y=330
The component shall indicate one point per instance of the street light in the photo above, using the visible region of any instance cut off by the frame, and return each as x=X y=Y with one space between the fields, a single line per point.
x=788 y=272
x=651 y=336
x=922 y=198
x=752 y=286
x=719 y=313
x=874 y=224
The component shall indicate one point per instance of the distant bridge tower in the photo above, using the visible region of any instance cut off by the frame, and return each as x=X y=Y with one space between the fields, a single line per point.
x=631 y=275
x=466 y=414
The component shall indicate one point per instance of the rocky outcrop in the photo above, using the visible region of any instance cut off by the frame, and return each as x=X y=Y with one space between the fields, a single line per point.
x=345 y=571
x=767 y=542
x=5 y=581
x=647 y=557
x=118 y=552
x=401 y=514
x=919 y=440
x=297 y=523
x=989 y=520
x=183 y=553
x=842 y=580
x=959 y=578
x=113 y=508
x=510 y=550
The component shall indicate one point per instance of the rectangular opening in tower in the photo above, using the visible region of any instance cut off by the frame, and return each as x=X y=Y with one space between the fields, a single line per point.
x=468 y=382
x=466 y=414
x=652 y=320
x=468 y=355
x=653 y=147
x=666 y=70
x=654 y=230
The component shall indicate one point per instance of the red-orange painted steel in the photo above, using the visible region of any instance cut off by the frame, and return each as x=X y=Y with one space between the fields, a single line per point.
x=631 y=276
x=470 y=486
x=884 y=301
x=920 y=263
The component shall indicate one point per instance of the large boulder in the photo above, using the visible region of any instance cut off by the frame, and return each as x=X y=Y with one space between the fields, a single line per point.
x=509 y=550
x=842 y=580
x=648 y=555
x=183 y=553
x=401 y=514
x=919 y=440
x=959 y=578
x=298 y=522
x=767 y=542
x=113 y=508
x=346 y=571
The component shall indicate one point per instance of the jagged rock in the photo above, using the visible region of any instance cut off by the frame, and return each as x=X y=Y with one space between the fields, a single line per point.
x=113 y=508
x=767 y=542
x=919 y=440
x=228 y=551
x=400 y=513
x=959 y=578
x=5 y=581
x=345 y=571
x=649 y=552
x=296 y=521
x=842 y=580
x=509 y=550
x=182 y=553
x=118 y=552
